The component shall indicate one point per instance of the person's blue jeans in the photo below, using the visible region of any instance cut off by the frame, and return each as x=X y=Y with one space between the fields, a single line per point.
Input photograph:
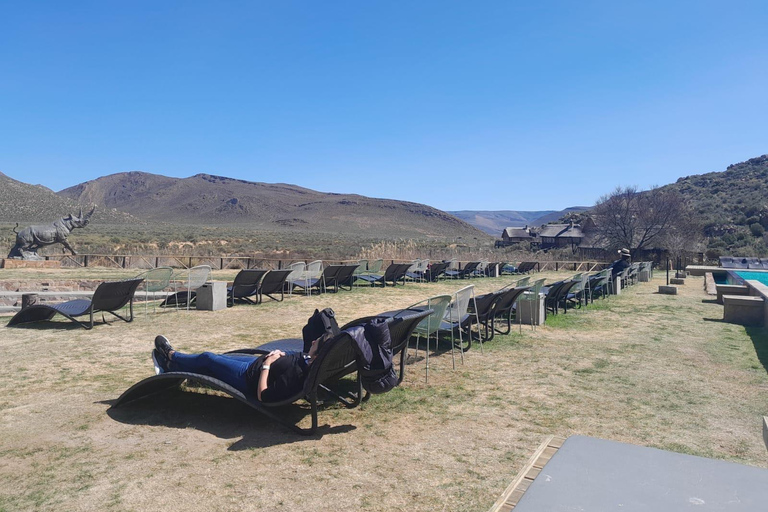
x=227 y=368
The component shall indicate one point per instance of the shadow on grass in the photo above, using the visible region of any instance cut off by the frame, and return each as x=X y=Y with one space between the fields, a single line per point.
x=759 y=337
x=223 y=417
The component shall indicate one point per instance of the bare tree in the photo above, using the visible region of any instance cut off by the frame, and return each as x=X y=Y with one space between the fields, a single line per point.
x=639 y=220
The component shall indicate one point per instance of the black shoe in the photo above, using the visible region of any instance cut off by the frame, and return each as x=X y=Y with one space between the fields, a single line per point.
x=159 y=362
x=163 y=346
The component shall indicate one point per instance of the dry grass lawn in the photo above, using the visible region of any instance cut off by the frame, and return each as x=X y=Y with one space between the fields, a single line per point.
x=643 y=368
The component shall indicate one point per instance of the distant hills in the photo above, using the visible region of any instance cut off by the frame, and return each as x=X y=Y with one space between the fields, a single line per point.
x=494 y=222
x=24 y=203
x=210 y=200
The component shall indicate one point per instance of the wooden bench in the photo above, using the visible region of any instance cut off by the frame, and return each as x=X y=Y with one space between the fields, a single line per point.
x=743 y=309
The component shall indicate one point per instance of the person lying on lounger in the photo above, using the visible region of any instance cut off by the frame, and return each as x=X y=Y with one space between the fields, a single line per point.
x=271 y=378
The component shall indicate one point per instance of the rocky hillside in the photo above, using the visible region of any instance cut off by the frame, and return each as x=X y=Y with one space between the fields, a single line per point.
x=204 y=199
x=25 y=204
x=732 y=206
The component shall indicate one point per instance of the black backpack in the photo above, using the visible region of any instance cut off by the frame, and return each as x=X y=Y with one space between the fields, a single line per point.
x=377 y=373
x=319 y=324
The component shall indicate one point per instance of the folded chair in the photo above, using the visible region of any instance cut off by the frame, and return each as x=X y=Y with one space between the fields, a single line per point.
x=245 y=285
x=272 y=283
x=335 y=360
x=109 y=297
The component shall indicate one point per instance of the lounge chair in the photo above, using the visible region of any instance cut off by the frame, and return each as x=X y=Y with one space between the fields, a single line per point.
x=345 y=277
x=457 y=319
x=394 y=273
x=431 y=312
x=375 y=266
x=555 y=293
x=155 y=280
x=272 y=283
x=297 y=272
x=467 y=271
x=109 y=297
x=430 y=324
x=417 y=270
x=527 y=266
x=245 y=285
x=328 y=275
x=485 y=305
x=401 y=325
x=734 y=262
x=435 y=270
x=601 y=284
x=362 y=268
x=335 y=359
x=189 y=280
x=505 y=307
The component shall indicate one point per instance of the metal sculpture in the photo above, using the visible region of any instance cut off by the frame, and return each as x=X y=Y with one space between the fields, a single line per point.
x=32 y=238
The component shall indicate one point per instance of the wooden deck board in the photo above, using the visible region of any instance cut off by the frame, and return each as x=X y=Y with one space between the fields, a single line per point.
x=514 y=492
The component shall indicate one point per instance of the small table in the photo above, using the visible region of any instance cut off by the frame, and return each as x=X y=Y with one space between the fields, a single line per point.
x=212 y=296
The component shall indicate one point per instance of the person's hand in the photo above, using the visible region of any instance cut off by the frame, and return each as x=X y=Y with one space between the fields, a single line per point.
x=273 y=356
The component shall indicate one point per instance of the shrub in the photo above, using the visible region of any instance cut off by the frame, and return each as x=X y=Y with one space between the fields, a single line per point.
x=757 y=229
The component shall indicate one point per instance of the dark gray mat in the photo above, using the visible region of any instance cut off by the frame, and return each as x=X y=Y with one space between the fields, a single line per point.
x=596 y=475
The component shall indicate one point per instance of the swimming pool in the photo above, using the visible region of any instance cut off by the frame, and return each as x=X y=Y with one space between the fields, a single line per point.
x=739 y=276
x=752 y=275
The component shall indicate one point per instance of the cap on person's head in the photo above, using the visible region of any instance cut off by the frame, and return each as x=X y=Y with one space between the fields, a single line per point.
x=624 y=252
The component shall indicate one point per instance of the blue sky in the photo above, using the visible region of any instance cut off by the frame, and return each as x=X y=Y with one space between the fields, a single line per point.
x=505 y=105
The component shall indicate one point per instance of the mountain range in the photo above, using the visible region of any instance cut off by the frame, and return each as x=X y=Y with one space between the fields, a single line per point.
x=204 y=199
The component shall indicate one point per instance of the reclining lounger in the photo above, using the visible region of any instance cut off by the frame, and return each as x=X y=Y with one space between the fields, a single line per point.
x=336 y=359
x=109 y=297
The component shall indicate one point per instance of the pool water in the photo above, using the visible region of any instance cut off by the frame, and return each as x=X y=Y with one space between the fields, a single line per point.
x=753 y=275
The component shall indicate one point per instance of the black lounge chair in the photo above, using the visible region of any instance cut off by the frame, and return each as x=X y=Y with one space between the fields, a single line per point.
x=394 y=273
x=335 y=360
x=435 y=270
x=556 y=295
x=402 y=323
x=245 y=285
x=734 y=262
x=272 y=283
x=485 y=304
x=526 y=267
x=467 y=271
x=109 y=297
x=345 y=278
x=320 y=283
x=505 y=306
